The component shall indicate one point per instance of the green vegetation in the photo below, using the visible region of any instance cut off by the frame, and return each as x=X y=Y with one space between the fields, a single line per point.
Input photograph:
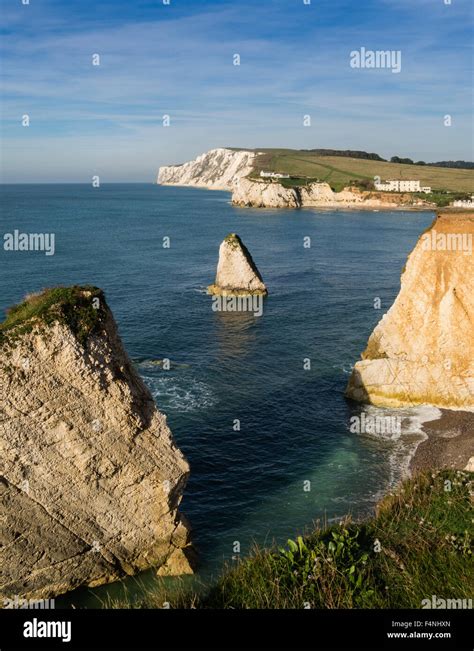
x=74 y=306
x=419 y=544
x=443 y=199
x=296 y=182
x=293 y=182
x=233 y=240
x=340 y=171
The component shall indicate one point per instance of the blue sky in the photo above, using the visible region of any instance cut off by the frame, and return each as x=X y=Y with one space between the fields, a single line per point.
x=177 y=59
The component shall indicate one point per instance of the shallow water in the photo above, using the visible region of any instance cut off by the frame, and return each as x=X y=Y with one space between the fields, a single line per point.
x=246 y=485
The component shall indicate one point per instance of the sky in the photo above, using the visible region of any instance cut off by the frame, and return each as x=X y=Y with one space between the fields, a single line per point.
x=178 y=59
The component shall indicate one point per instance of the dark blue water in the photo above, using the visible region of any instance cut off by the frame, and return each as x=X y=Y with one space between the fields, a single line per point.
x=245 y=485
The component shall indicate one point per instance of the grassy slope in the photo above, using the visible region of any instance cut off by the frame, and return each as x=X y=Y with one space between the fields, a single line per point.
x=425 y=536
x=339 y=171
x=70 y=305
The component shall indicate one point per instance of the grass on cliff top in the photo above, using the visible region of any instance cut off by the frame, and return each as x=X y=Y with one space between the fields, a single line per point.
x=340 y=171
x=74 y=306
x=419 y=544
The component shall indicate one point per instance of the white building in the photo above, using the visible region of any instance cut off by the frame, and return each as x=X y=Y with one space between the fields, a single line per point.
x=464 y=203
x=402 y=186
x=273 y=175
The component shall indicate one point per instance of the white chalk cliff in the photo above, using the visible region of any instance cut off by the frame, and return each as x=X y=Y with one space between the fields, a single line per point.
x=226 y=169
x=90 y=477
x=260 y=194
x=422 y=351
x=217 y=169
x=237 y=274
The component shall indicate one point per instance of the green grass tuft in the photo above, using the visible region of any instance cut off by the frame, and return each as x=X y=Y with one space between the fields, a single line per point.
x=72 y=306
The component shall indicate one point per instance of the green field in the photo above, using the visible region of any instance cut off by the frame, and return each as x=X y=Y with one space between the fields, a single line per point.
x=339 y=171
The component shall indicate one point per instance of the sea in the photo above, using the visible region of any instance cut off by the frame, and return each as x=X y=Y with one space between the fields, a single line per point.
x=256 y=403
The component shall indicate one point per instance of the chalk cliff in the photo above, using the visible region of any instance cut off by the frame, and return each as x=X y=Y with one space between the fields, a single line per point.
x=217 y=169
x=226 y=169
x=237 y=274
x=259 y=194
x=422 y=351
x=90 y=477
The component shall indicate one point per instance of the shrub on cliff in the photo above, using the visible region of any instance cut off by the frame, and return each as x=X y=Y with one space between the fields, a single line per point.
x=72 y=306
x=419 y=544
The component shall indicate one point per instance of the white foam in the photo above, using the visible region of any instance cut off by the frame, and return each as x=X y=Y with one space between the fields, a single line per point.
x=407 y=439
x=179 y=394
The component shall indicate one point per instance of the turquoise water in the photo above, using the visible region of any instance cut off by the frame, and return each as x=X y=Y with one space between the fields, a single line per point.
x=245 y=485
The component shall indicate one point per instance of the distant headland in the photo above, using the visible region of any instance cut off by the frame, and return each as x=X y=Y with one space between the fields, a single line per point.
x=319 y=178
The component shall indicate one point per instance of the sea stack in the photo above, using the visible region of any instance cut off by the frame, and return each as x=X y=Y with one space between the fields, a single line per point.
x=90 y=476
x=422 y=351
x=237 y=274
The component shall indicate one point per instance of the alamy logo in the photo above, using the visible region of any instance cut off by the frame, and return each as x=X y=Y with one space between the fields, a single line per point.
x=252 y=303
x=390 y=59
x=39 y=628
x=17 y=241
x=19 y=602
x=365 y=424
x=442 y=604
x=434 y=241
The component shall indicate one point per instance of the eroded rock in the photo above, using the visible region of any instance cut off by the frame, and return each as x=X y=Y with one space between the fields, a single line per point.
x=422 y=351
x=217 y=169
x=237 y=274
x=90 y=476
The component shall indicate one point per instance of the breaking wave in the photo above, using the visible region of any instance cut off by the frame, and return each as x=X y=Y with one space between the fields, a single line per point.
x=179 y=394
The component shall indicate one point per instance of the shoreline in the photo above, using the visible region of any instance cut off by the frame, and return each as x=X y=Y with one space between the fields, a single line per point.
x=322 y=206
x=449 y=442
x=326 y=205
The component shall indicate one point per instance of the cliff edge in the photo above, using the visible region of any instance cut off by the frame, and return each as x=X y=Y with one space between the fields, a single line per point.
x=254 y=193
x=90 y=477
x=217 y=169
x=235 y=171
x=422 y=351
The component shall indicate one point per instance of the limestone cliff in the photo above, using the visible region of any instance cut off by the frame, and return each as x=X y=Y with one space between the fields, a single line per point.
x=237 y=274
x=90 y=477
x=422 y=351
x=259 y=194
x=217 y=169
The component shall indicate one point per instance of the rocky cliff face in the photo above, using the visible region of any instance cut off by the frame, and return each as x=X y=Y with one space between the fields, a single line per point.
x=259 y=194
x=225 y=169
x=237 y=274
x=217 y=169
x=90 y=477
x=422 y=351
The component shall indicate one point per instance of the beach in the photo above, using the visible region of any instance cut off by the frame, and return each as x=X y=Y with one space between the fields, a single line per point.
x=449 y=442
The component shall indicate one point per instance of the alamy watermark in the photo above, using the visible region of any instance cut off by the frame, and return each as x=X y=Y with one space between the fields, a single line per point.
x=38 y=628
x=434 y=241
x=253 y=303
x=367 y=424
x=390 y=59
x=439 y=603
x=17 y=602
x=17 y=241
